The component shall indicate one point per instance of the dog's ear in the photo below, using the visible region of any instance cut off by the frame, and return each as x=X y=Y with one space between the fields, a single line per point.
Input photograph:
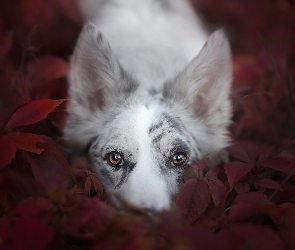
x=205 y=84
x=95 y=74
x=96 y=79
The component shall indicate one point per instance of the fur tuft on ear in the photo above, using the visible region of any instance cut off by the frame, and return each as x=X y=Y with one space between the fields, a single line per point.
x=95 y=71
x=205 y=84
x=96 y=78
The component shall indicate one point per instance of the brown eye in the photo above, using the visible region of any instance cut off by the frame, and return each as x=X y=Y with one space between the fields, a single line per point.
x=179 y=158
x=115 y=158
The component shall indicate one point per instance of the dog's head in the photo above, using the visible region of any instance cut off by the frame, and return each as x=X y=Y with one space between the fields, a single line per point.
x=140 y=140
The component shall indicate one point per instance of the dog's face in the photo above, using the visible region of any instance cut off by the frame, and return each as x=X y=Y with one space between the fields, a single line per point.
x=141 y=152
x=139 y=140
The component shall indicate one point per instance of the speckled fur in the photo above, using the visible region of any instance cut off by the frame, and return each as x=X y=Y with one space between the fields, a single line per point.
x=147 y=81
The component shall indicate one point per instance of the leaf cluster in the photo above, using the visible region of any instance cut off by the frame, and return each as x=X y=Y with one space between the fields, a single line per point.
x=50 y=202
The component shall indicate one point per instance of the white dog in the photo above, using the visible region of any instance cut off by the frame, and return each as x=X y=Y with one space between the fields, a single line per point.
x=149 y=94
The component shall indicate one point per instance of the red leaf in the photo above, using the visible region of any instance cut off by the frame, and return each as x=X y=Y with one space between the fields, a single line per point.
x=201 y=164
x=84 y=216
x=252 y=197
x=266 y=183
x=49 y=168
x=280 y=164
x=229 y=240
x=6 y=114
x=218 y=191
x=201 y=238
x=235 y=171
x=217 y=188
x=193 y=199
x=274 y=211
x=286 y=224
x=30 y=233
x=249 y=236
x=26 y=141
x=6 y=43
x=212 y=174
x=5 y=222
x=32 y=112
x=242 y=187
x=70 y=10
x=97 y=186
x=8 y=150
x=246 y=205
x=87 y=186
x=245 y=151
x=198 y=168
x=32 y=207
x=18 y=186
x=37 y=12
x=47 y=67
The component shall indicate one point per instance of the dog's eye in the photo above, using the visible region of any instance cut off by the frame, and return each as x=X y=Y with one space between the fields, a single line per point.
x=179 y=158
x=115 y=158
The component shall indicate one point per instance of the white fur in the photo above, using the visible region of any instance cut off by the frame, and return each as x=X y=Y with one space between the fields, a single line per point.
x=144 y=39
x=145 y=186
x=142 y=83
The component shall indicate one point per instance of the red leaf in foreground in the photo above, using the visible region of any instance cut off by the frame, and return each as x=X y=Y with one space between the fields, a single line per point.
x=245 y=205
x=92 y=215
x=217 y=188
x=4 y=228
x=201 y=164
x=32 y=207
x=201 y=238
x=6 y=43
x=49 y=168
x=280 y=164
x=193 y=199
x=37 y=12
x=70 y=10
x=287 y=224
x=246 y=151
x=235 y=171
x=26 y=141
x=284 y=218
x=249 y=236
x=274 y=211
x=32 y=112
x=218 y=191
x=266 y=183
x=30 y=233
x=242 y=187
x=18 y=186
x=8 y=150
x=6 y=114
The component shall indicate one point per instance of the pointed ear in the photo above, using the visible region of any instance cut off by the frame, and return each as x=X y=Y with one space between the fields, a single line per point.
x=95 y=73
x=96 y=79
x=205 y=84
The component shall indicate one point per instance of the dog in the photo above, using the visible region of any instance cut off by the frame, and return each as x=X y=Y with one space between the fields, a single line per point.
x=149 y=94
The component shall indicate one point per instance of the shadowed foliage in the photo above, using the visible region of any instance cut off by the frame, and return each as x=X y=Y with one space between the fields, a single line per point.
x=50 y=202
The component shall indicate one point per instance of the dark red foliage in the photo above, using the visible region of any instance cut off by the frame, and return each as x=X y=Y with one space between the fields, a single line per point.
x=47 y=202
x=31 y=112
x=193 y=199
x=216 y=187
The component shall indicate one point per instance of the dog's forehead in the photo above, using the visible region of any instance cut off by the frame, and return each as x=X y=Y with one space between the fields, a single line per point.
x=146 y=126
x=146 y=119
x=138 y=119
